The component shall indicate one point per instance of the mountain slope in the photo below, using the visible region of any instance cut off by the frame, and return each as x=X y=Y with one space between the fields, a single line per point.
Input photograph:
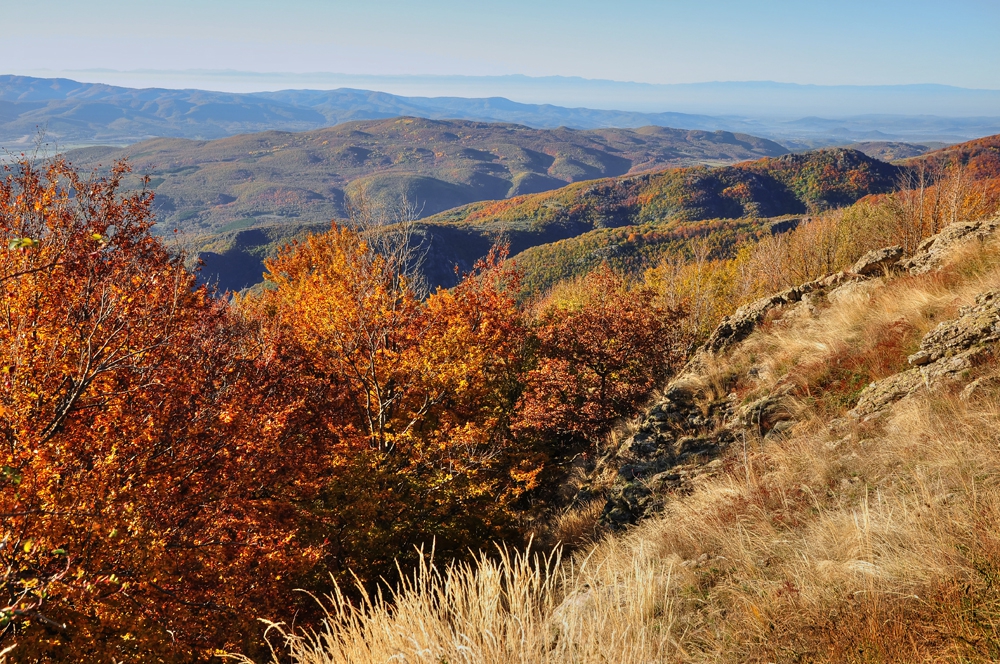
x=981 y=157
x=791 y=184
x=275 y=177
x=655 y=205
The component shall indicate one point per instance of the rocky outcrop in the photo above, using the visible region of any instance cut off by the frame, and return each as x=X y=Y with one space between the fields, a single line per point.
x=947 y=353
x=681 y=438
x=931 y=252
x=878 y=261
x=734 y=329
x=976 y=324
x=673 y=445
x=881 y=394
x=954 y=347
x=738 y=327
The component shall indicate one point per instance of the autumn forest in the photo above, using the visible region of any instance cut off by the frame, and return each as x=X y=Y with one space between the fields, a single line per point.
x=178 y=463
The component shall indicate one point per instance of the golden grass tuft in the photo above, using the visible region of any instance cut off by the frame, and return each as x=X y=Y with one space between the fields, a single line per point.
x=578 y=526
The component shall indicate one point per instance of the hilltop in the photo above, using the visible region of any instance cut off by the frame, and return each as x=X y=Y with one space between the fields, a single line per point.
x=981 y=157
x=894 y=150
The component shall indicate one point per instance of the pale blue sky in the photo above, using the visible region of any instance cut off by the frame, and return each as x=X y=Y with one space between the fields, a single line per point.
x=954 y=42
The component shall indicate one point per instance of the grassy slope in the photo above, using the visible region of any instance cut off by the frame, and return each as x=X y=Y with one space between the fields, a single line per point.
x=835 y=542
x=278 y=177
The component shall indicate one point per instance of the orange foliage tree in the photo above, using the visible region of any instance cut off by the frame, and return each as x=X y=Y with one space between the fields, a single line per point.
x=600 y=355
x=419 y=391
x=145 y=507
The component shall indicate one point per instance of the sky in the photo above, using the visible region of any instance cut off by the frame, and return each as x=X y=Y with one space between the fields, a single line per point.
x=843 y=42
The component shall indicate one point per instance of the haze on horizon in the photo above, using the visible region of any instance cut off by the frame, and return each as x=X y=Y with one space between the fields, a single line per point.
x=849 y=42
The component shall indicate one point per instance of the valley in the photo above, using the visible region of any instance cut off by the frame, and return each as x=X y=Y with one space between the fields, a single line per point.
x=630 y=220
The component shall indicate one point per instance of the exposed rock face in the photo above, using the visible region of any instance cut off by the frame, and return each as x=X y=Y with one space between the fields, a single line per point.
x=946 y=353
x=878 y=261
x=764 y=414
x=883 y=393
x=672 y=446
x=738 y=327
x=931 y=252
x=976 y=324
x=985 y=385
x=682 y=436
x=734 y=329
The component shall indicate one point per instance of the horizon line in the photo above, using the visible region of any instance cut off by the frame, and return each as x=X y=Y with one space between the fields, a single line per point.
x=250 y=73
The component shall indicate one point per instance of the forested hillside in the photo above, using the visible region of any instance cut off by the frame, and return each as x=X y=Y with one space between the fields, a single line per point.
x=651 y=210
x=281 y=177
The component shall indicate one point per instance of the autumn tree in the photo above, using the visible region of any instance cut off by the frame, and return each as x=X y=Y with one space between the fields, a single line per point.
x=706 y=286
x=146 y=501
x=602 y=349
x=419 y=396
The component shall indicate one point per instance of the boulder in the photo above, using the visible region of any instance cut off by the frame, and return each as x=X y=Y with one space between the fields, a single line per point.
x=765 y=413
x=877 y=261
x=947 y=353
x=932 y=251
x=976 y=325
x=738 y=327
x=881 y=394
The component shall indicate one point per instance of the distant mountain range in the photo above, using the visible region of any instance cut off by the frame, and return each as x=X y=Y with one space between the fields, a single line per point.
x=278 y=177
x=70 y=113
x=768 y=99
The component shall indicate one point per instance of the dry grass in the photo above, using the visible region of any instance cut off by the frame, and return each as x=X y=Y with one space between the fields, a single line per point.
x=863 y=332
x=508 y=608
x=578 y=526
x=880 y=548
x=881 y=545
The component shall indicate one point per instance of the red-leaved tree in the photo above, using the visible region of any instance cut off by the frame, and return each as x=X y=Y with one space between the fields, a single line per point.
x=600 y=355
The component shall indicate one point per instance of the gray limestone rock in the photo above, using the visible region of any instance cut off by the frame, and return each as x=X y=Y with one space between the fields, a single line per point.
x=947 y=353
x=745 y=320
x=932 y=251
x=881 y=394
x=877 y=261
x=976 y=324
